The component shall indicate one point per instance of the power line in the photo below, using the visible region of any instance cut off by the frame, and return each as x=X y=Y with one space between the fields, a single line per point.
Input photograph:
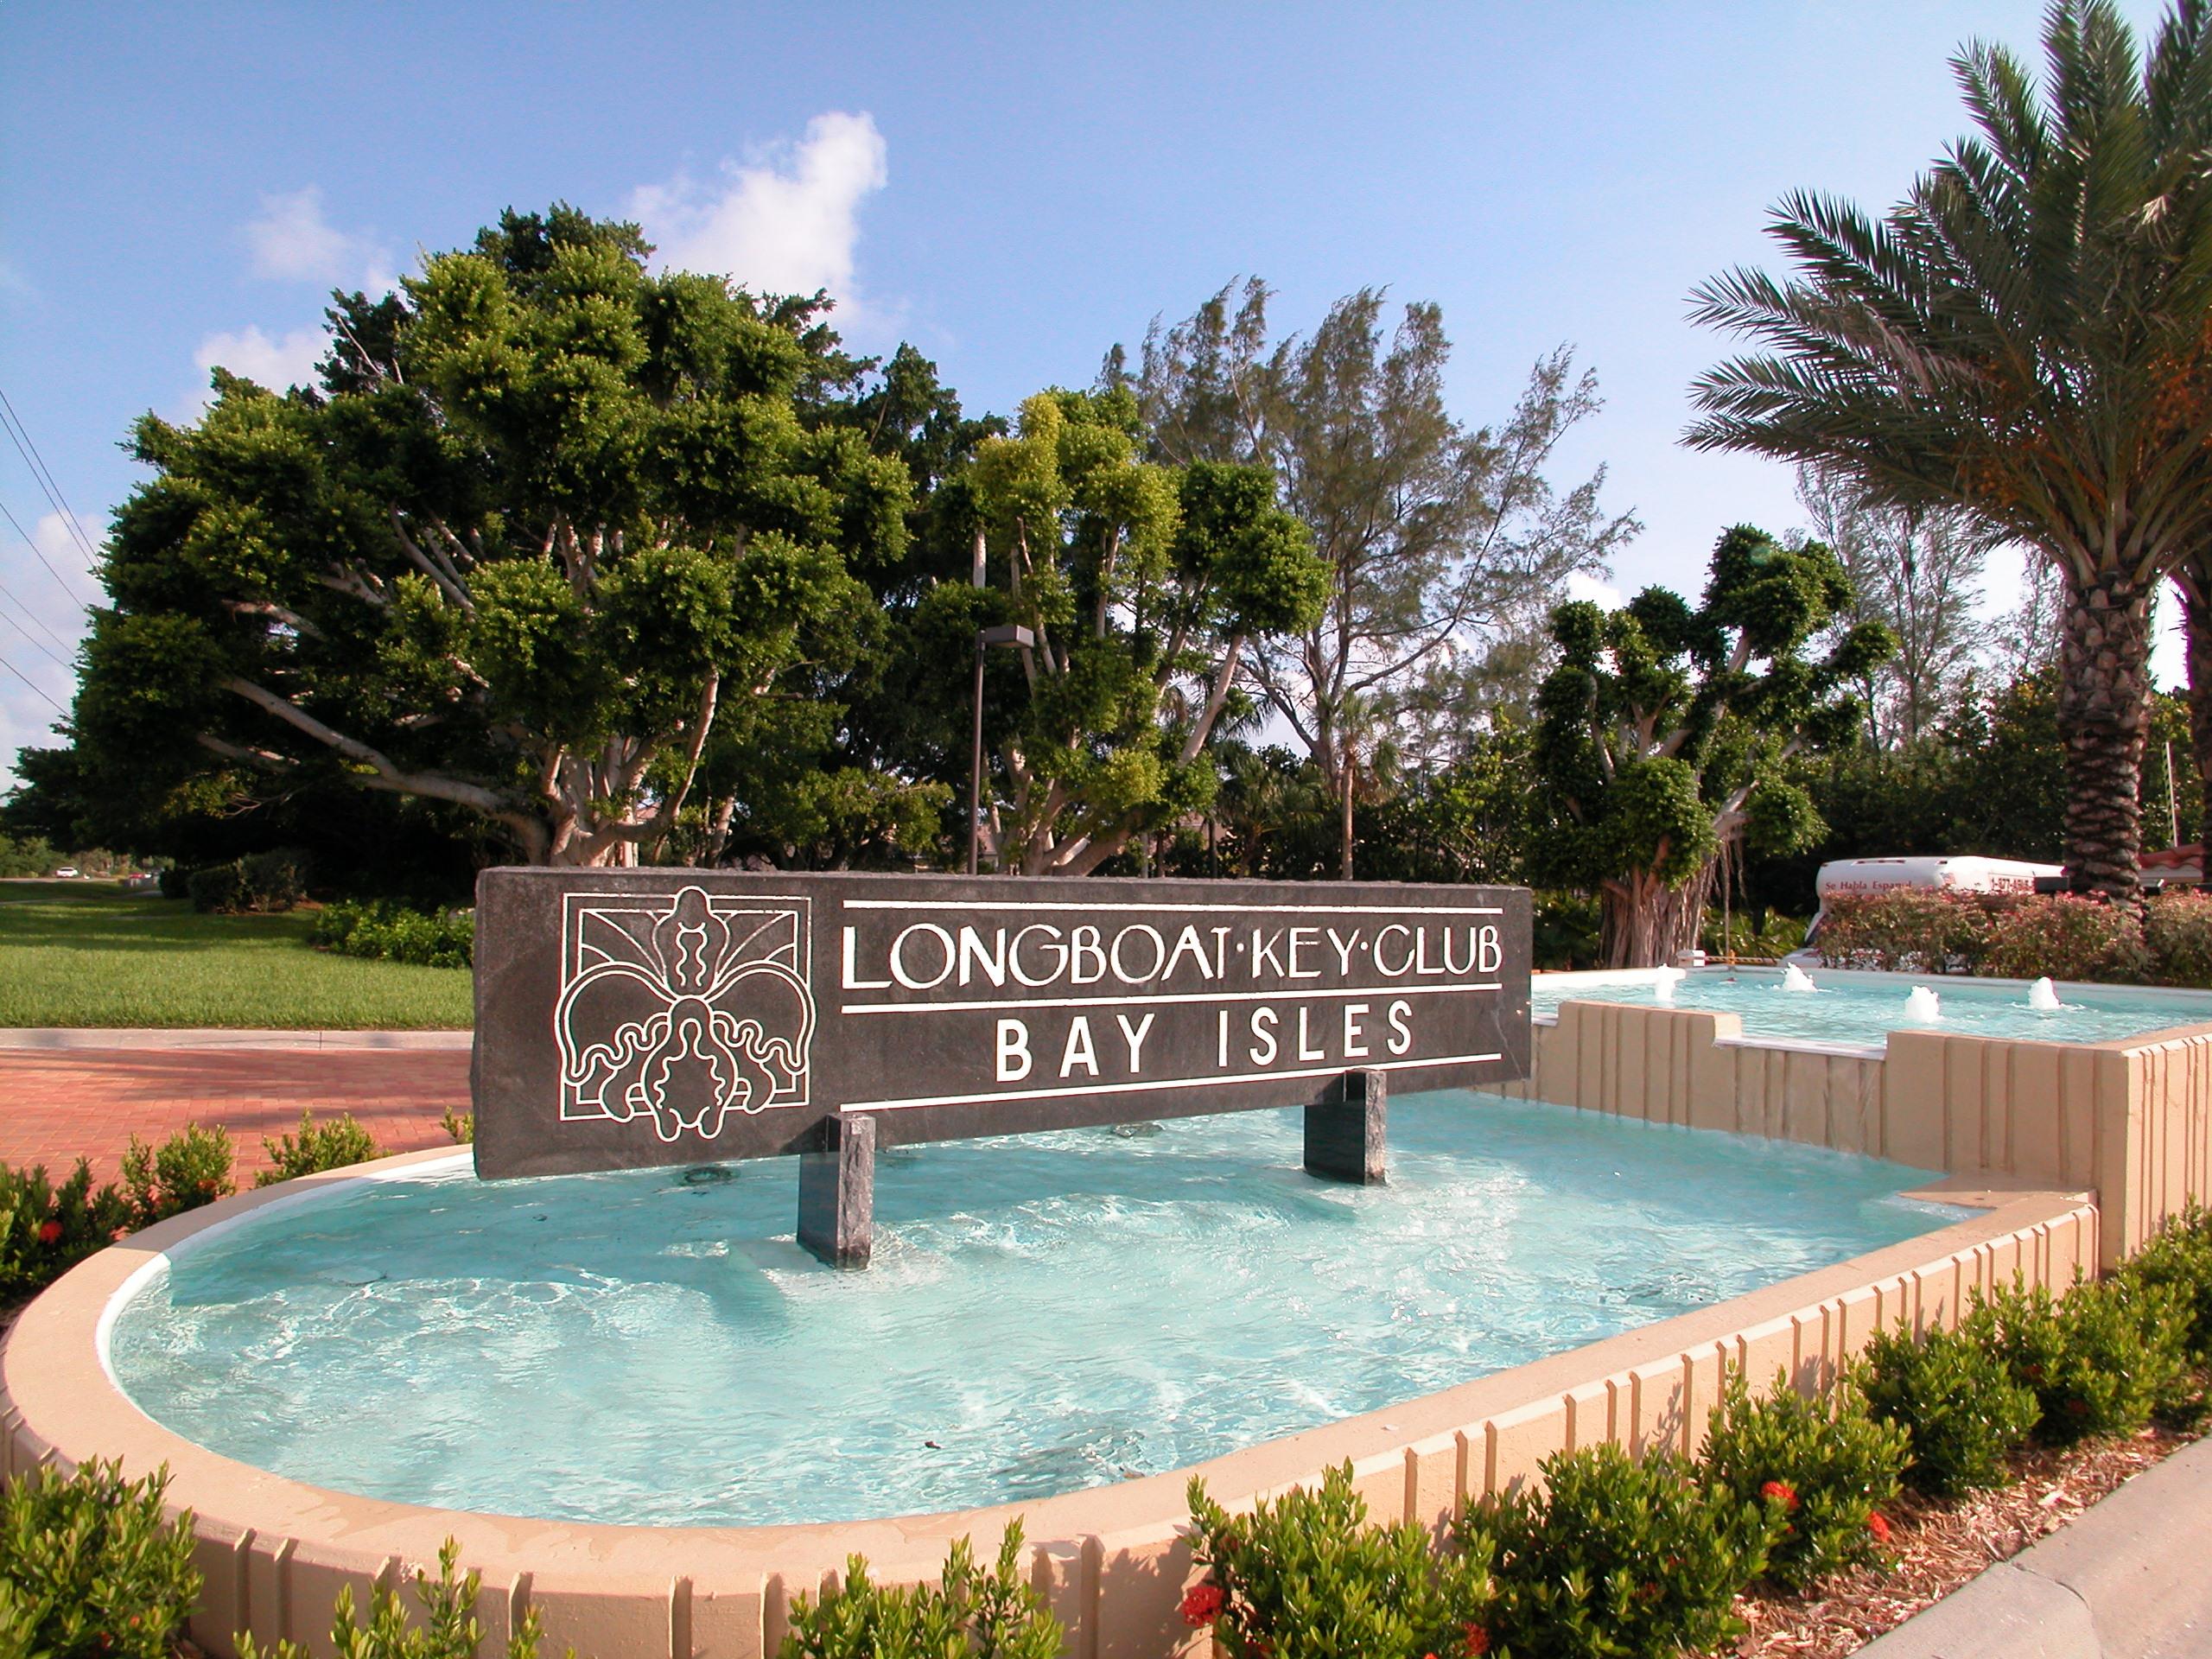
x=34 y=686
x=17 y=599
x=20 y=435
x=41 y=555
x=34 y=643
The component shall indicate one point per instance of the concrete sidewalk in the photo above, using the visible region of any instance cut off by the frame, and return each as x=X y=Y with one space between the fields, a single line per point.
x=2129 y=1578
x=69 y=1037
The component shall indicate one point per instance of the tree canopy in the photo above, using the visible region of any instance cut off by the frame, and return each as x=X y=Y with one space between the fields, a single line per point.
x=2024 y=336
x=552 y=522
x=1444 y=544
x=1144 y=587
x=1664 y=730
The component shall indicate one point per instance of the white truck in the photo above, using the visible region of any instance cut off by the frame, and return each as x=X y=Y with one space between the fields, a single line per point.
x=1857 y=877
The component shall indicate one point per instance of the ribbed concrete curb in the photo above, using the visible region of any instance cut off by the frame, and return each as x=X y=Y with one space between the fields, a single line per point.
x=2125 y=1580
x=205 y=1037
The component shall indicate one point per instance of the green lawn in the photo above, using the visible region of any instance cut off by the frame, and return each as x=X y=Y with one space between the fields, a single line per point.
x=85 y=953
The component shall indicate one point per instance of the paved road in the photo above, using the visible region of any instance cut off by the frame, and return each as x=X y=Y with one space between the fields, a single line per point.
x=2130 y=1578
x=57 y=1103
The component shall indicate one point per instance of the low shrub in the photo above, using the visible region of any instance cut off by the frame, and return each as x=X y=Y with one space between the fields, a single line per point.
x=446 y=1628
x=263 y=881
x=2066 y=936
x=315 y=1148
x=192 y=1167
x=2100 y=1362
x=2177 y=932
x=45 y=1231
x=1955 y=1398
x=1306 y=1574
x=460 y=1126
x=1616 y=1556
x=2180 y=1259
x=1824 y=1466
x=90 y=1568
x=989 y=1615
x=390 y=934
x=1906 y=930
x=175 y=882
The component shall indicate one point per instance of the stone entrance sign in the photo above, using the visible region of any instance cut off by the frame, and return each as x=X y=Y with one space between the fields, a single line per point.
x=662 y=1017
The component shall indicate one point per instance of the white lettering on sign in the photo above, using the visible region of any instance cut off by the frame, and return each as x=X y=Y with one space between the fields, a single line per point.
x=1079 y=1050
x=1124 y=1002
x=1354 y=1048
x=1263 y=1036
x=1014 y=1050
x=1135 y=1036
x=1399 y=1014
x=905 y=974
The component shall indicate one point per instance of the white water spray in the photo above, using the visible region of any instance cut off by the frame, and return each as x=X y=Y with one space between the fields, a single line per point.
x=2042 y=996
x=1794 y=978
x=1663 y=989
x=1923 y=1007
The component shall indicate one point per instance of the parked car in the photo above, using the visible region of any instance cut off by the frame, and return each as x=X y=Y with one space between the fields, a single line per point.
x=66 y=872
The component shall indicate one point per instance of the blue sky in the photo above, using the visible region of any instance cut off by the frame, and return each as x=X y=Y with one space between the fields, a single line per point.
x=1012 y=188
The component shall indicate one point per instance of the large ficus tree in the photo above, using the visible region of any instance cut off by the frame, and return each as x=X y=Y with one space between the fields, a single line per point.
x=1146 y=589
x=1664 y=733
x=2027 y=335
x=551 y=521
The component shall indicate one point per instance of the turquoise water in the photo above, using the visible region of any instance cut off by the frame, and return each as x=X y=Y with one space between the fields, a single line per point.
x=1044 y=1313
x=1843 y=1010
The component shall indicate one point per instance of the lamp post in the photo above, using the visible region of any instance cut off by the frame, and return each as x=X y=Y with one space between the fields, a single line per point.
x=1006 y=633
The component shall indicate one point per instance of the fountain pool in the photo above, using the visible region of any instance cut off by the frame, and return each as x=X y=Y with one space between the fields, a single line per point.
x=1044 y=1314
x=1863 y=1008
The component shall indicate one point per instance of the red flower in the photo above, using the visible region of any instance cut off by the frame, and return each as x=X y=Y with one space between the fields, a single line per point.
x=49 y=1232
x=1200 y=1603
x=1477 y=1642
x=1782 y=1491
x=1880 y=1526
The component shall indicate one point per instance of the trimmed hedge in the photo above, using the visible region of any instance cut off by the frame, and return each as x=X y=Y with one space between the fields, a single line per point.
x=1606 y=1555
x=2065 y=936
x=391 y=932
x=264 y=881
x=89 y=1569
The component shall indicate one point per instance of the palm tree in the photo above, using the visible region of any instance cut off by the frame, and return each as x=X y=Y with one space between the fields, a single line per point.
x=2028 y=336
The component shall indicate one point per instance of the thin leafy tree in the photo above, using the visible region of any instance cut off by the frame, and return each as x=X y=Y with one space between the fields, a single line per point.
x=2027 y=335
x=1447 y=545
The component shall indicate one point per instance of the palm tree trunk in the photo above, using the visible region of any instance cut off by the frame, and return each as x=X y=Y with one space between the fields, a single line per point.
x=2104 y=713
x=2194 y=582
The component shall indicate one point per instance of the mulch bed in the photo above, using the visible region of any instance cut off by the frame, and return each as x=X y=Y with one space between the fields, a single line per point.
x=1938 y=1546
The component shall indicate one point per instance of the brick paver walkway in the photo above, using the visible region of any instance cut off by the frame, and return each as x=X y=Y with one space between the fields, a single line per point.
x=58 y=1106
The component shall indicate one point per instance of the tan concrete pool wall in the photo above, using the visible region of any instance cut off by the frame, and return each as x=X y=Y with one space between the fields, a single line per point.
x=2130 y=1119
x=1111 y=1561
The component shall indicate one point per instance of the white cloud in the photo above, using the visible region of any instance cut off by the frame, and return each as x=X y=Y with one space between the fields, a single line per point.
x=291 y=241
x=785 y=221
x=275 y=364
x=41 y=621
x=1604 y=595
